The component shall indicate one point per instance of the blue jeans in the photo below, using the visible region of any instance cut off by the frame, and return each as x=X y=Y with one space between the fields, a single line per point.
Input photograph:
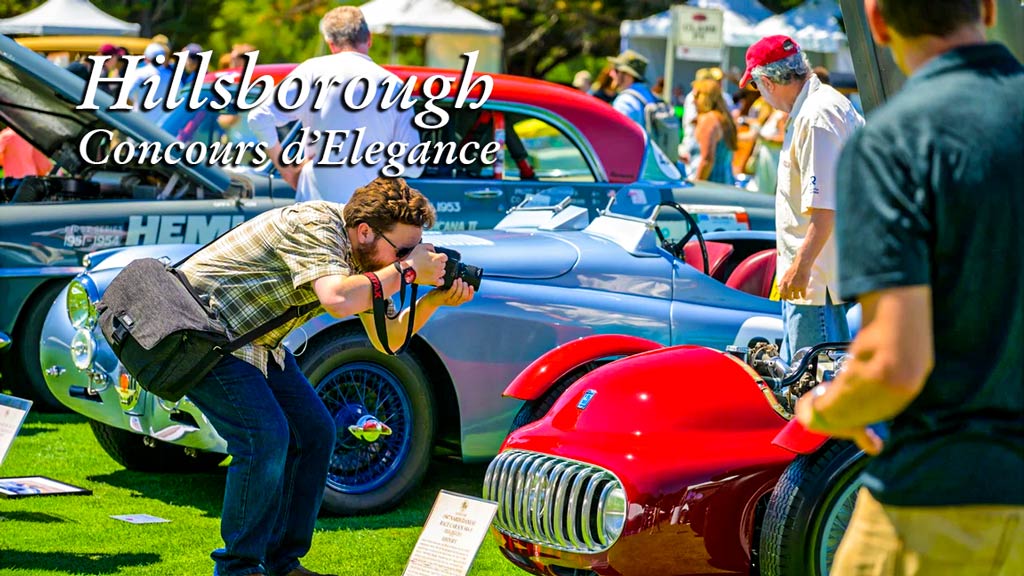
x=809 y=325
x=280 y=437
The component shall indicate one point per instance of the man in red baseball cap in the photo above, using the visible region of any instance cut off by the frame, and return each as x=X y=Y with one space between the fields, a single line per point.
x=821 y=119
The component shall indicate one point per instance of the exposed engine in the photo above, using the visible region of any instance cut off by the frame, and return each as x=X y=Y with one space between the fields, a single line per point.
x=810 y=367
x=101 y=185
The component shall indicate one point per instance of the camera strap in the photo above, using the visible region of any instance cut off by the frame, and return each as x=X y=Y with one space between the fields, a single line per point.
x=380 y=312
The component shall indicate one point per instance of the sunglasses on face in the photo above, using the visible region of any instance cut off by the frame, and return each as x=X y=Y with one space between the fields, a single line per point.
x=400 y=253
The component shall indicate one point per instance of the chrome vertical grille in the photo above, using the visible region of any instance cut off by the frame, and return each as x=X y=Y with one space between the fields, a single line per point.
x=549 y=500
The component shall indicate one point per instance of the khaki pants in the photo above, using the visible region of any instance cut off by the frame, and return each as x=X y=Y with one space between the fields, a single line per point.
x=931 y=541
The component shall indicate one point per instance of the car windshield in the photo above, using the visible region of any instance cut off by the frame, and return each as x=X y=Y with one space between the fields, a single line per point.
x=657 y=166
x=637 y=202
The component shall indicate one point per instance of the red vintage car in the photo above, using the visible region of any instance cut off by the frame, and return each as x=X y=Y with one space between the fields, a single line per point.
x=634 y=459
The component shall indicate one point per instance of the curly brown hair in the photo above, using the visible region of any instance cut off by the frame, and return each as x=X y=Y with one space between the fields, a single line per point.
x=386 y=202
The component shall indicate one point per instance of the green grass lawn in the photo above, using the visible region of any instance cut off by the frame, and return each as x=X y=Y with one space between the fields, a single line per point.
x=75 y=534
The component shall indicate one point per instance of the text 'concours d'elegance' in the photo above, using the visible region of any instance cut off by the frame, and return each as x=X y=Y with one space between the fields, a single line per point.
x=564 y=288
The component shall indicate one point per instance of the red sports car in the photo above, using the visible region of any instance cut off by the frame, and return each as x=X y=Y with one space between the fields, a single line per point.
x=670 y=461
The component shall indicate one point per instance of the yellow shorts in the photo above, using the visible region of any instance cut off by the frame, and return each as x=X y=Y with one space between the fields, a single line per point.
x=931 y=541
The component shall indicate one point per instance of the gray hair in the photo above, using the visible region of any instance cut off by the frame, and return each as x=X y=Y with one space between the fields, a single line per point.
x=345 y=26
x=785 y=71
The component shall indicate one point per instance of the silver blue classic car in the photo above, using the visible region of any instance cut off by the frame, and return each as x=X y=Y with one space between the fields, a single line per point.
x=48 y=223
x=635 y=269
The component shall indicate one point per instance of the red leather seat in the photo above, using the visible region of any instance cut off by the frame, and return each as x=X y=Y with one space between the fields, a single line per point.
x=755 y=274
x=718 y=253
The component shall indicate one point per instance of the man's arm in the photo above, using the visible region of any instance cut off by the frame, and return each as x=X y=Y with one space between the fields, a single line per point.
x=459 y=293
x=817 y=153
x=344 y=295
x=264 y=120
x=798 y=276
x=892 y=357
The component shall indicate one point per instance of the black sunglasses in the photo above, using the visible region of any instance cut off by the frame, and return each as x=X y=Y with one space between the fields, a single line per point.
x=400 y=253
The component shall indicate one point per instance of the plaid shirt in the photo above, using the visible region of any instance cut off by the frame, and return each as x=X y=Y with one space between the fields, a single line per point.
x=267 y=265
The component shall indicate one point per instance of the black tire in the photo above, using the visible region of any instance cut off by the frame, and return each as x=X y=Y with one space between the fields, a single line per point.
x=809 y=510
x=26 y=376
x=355 y=381
x=130 y=450
x=533 y=410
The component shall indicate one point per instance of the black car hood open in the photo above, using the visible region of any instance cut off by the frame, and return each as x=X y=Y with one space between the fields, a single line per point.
x=38 y=100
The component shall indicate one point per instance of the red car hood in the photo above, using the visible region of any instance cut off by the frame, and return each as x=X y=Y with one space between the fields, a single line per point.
x=661 y=421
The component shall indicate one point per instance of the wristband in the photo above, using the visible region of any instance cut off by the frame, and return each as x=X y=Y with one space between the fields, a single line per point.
x=378 y=288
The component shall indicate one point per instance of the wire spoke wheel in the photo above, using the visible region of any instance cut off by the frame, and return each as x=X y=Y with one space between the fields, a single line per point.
x=364 y=392
x=383 y=408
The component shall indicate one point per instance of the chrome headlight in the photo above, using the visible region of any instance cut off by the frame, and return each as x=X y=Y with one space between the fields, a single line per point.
x=83 y=348
x=81 y=311
x=612 y=513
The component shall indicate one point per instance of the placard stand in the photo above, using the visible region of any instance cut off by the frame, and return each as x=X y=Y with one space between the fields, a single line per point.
x=13 y=412
x=451 y=536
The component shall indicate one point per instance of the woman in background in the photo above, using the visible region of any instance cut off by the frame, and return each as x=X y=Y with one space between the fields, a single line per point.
x=603 y=87
x=715 y=132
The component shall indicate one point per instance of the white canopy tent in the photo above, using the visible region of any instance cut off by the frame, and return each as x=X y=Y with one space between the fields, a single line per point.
x=740 y=17
x=450 y=29
x=648 y=37
x=812 y=24
x=68 y=18
x=815 y=28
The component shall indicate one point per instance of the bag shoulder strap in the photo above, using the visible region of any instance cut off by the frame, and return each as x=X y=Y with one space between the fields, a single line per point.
x=265 y=328
x=638 y=96
x=289 y=315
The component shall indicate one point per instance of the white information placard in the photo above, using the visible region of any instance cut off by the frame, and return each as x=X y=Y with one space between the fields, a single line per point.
x=699 y=27
x=452 y=536
x=12 y=414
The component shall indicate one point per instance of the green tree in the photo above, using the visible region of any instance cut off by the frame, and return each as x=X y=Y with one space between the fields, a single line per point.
x=542 y=35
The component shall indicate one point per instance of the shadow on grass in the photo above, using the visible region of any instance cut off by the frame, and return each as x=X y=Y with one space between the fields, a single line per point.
x=443 y=474
x=204 y=492
x=34 y=420
x=74 y=563
x=37 y=517
x=27 y=431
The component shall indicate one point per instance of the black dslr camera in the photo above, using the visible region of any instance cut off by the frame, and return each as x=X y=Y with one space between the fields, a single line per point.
x=454 y=268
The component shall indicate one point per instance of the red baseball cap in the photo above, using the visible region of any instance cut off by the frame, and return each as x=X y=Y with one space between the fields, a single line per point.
x=768 y=50
x=111 y=50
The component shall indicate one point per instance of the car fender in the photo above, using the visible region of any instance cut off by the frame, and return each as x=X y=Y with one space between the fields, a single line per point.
x=798 y=439
x=533 y=381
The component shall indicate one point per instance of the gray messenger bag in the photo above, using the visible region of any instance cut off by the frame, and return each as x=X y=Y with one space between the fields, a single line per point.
x=163 y=333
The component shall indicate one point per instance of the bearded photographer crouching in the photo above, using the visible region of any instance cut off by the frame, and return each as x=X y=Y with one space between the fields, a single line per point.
x=277 y=430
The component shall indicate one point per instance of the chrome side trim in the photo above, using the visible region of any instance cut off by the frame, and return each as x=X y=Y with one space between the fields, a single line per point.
x=47 y=271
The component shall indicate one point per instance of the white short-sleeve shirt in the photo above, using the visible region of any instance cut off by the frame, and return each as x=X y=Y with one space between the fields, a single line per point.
x=336 y=183
x=820 y=122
